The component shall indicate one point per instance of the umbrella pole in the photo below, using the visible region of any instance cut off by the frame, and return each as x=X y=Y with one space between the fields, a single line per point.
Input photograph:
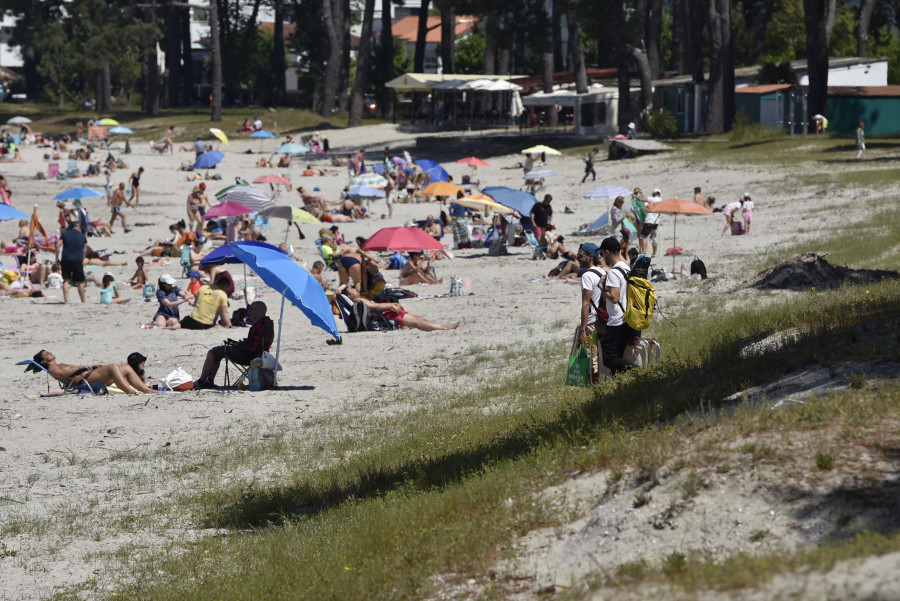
x=286 y=232
x=674 y=251
x=246 y=302
x=278 y=344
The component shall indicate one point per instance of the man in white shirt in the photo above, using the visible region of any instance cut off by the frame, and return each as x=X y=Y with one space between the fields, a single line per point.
x=588 y=258
x=615 y=293
x=651 y=224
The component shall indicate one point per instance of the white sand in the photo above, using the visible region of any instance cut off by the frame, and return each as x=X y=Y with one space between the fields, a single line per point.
x=55 y=462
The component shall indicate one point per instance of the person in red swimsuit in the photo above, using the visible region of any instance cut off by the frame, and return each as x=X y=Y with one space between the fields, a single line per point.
x=396 y=312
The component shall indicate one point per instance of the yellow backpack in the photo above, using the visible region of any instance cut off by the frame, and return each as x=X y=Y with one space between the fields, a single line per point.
x=640 y=301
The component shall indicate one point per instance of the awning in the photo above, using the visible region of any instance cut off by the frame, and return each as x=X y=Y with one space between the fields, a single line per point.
x=425 y=82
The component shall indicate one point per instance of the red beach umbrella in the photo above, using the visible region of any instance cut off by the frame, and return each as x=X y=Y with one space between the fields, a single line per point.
x=407 y=239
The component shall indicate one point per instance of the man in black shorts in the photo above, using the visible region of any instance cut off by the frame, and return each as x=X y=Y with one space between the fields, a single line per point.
x=72 y=243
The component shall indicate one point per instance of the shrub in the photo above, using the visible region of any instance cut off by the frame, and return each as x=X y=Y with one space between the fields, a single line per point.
x=661 y=123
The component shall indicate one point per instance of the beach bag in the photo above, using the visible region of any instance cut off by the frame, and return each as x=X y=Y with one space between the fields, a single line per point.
x=149 y=291
x=394 y=295
x=640 y=301
x=642 y=352
x=178 y=380
x=699 y=268
x=737 y=228
x=358 y=318
x=260 y=378
x=579 y=370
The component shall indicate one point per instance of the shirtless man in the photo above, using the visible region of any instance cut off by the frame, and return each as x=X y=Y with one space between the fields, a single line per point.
x=396 y=312
x=122 y=376
x=118 y=198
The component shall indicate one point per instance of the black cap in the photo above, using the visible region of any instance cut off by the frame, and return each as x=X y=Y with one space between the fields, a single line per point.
x=136 y=359
x=611 y=244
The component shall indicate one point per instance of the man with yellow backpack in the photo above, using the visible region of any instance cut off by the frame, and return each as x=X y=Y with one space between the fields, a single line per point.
x=629 y=303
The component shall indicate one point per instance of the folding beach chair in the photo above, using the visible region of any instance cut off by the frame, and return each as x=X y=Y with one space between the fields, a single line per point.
x=538 y=251
x=76 y=385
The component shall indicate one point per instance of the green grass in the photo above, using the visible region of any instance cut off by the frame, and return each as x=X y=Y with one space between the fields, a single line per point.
x=190 y=122
x=390 y=502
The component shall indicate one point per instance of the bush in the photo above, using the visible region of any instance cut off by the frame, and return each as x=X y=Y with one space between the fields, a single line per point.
x=661 y=123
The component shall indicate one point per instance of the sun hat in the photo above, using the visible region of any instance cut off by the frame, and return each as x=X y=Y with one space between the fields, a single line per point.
x=196 y=189
x=166 y=279
x=657 y=191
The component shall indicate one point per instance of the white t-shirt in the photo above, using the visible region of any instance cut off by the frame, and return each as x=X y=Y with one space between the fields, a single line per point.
x=730 y=208
x=591 y=281
x=54 y=281
x=615 y=279
x=652 y=218
x=747 y=206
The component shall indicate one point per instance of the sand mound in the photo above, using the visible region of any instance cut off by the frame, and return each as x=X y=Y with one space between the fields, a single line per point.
x=811 y=269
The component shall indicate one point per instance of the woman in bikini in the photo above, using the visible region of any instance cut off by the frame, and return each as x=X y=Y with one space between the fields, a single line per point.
x=416 y=271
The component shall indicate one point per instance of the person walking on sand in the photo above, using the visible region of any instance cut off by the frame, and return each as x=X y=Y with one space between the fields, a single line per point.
x=591 y=298
x=615 y=292
x=118 y=198
x=70 y=256
x=589 y=165
x=860 y=140
x=170 y=140
x=136 y=186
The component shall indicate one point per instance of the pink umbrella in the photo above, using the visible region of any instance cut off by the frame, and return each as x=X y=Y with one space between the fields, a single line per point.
x=227 y=209
x=473 y=162
x=272 y=179
x=408 y=239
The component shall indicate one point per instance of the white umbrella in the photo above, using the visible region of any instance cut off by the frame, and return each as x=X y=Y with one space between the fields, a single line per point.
x=250 y=197
x=516 y=107
x=18 y=120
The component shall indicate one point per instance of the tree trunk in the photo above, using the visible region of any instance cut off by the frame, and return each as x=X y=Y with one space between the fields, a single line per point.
x=616 y=30
x=278 y=62
x=829 y=21
x=188 y=94
x=679 y=34
x=727 y=64
x=695 y=49
x=506 y=44
x=386 y=99
x=173 y=54
x=104 y=89
x=639 y=60
x=761 y=20
x=556 y=25
x=344 y=82
x=448 y=39
x=490 y=54
x=362 y=65
x=577 y=53
x=816 y=58
x=215 y=48
x=714 y=122
x=332 y=16
x=654 y=32
x=862 y=35
x=419 y=60
x=151 y=68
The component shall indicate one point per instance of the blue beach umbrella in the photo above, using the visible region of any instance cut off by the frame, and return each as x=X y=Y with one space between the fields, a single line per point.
x=518 y=200
x=433 y=170
x=293 y=282
x=262 y=134
x=225 y=254
x=209 y=159
x=121 y=129
x=8 y=212
x=539 y=173
x=365 y=192
x=76 y=193
x=292 y=148
x=607 y=193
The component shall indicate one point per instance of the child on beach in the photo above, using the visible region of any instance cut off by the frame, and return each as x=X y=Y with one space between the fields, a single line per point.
x=109 y=295
x=55 y=279
x=747 y=212
x=140 y=276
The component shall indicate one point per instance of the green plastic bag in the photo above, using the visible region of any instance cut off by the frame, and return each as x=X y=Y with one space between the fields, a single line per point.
x=579 y=372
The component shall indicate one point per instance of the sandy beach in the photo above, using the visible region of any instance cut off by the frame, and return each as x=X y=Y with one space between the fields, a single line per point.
x=55 y=459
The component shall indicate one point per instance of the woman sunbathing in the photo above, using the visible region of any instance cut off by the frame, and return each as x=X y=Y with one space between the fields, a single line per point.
x=122 y=376
x=396 y=312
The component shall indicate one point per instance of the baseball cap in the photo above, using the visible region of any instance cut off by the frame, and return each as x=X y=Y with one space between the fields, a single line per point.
x=591 y=249
x=611 y=244
x=167 y=279
x=203 y=185
x=657 y=191
x=194 y=274
x=136 y=358
x=746 y=195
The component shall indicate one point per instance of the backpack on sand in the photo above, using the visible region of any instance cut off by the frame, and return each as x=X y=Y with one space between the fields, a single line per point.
x=640 y=301
x=698 y=267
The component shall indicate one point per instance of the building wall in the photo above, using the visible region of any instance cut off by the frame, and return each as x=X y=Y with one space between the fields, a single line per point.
x=881 y=114
x=871 y=74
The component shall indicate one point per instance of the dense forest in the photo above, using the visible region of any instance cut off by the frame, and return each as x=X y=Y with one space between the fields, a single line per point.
x=104 y=49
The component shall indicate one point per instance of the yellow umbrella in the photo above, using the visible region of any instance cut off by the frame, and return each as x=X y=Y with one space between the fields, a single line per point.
x=481 y=201
x=442 y=189
x=540 y=148
x=107 y=121
x=219 y=134
x=301 y=216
